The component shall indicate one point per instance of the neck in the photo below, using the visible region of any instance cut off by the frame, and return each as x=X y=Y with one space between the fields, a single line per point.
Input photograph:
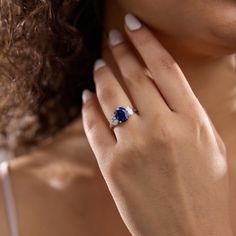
x=206 y=74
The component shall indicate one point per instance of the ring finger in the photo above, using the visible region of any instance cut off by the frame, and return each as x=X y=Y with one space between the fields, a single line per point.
x=110 y=94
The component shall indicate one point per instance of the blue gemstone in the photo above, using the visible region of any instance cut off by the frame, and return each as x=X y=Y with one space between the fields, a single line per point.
x=121 y=114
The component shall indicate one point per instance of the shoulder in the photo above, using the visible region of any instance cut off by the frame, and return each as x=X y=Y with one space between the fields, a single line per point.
x=59 y=189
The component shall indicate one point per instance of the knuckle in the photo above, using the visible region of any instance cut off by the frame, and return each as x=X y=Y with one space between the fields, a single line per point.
x=164 y=133
x=121 y=52
x=133 y=78
x=194 y=118
x=199 y=121
x=139 y=145
x=105 y=92
x=127 y=159
x=197 y=128
x=196 y=111
x=98 y=74
x=89 y=120
x=166 y=61
x=135 y=148
x=121 y=169
x=88 y=107
x=164 y=58
x=144 y=39
x=166 y=136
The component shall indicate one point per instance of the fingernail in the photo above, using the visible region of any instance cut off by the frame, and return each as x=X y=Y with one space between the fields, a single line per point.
x=115 y=37
x=86 y=95
x=99 y=64
x=132 y=22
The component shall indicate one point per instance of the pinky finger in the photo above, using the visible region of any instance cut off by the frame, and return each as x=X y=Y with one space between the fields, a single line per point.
x=96 y=127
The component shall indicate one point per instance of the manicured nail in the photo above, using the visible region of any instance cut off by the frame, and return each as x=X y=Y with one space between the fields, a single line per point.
x=99 y=64
x=132 y=22
x=86 y=95
x=115 y=37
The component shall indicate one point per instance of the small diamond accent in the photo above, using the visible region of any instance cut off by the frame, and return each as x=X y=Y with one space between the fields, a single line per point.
x=114 y=121
x=129 y=110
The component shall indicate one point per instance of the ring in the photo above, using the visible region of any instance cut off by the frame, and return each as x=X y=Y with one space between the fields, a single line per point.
x=122 y=115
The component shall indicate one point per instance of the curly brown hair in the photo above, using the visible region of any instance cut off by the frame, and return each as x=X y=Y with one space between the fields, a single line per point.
x=47 y=52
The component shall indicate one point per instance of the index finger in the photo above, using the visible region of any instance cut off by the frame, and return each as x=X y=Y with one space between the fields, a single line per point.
x=165 y=71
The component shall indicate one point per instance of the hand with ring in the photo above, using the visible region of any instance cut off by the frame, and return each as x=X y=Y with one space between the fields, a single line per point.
x=163 y=161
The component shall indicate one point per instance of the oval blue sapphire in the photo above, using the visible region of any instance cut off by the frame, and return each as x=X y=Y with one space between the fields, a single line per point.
x=121 y=114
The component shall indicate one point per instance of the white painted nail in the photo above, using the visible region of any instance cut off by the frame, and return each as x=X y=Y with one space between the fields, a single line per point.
x=99 y=64
x=115 y=37
x=86 y=95
x=132 y=22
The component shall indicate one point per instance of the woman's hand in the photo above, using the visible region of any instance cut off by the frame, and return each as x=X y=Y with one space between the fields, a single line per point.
x=166 y=166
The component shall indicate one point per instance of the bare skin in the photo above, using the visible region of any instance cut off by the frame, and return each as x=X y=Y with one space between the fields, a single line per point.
x=211 y=80
x=64 y=191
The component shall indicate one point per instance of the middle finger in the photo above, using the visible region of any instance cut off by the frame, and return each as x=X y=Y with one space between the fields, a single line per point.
x=142 y=89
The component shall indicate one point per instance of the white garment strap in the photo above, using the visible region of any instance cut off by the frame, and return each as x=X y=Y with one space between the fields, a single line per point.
x=9 y=199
